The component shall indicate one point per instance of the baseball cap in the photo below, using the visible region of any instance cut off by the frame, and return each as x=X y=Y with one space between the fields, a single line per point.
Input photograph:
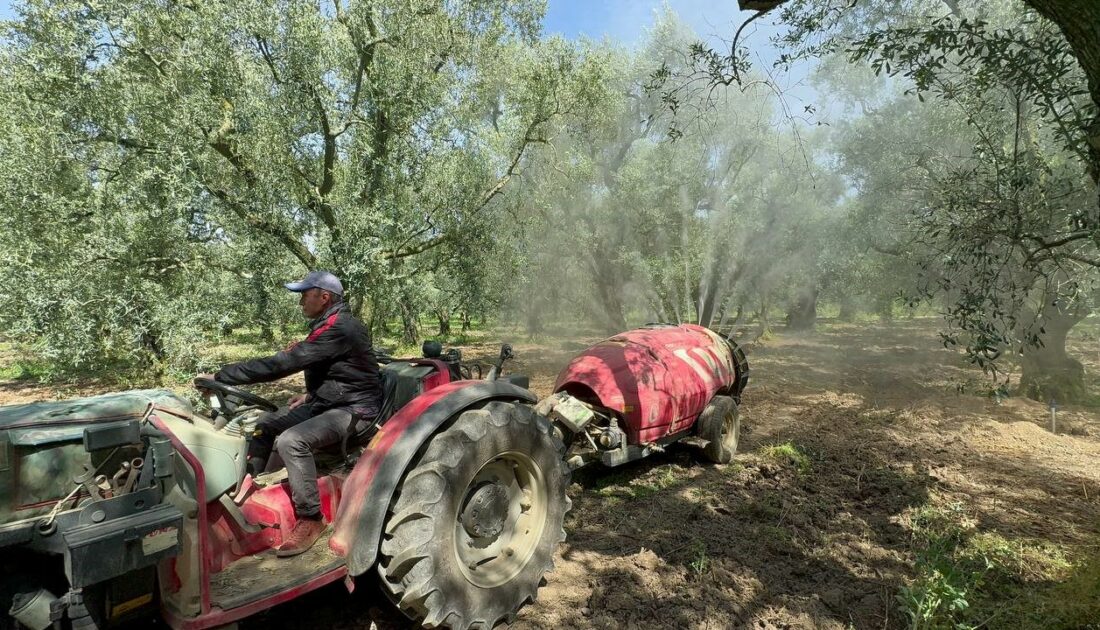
x=317 y=280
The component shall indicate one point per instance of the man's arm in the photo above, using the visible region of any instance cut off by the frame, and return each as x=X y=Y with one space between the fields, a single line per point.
x=328 y=345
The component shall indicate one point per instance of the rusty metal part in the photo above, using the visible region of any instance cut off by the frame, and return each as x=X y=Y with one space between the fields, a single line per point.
x=87 y=479
x=102 y=487
x=116 y=480
x=132 y=476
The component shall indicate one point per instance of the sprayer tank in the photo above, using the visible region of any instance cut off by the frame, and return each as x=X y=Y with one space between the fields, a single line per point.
x=657 y=378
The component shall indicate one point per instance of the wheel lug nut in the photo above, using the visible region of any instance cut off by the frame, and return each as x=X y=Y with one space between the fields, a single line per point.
x=473 y=566
x=509 y=551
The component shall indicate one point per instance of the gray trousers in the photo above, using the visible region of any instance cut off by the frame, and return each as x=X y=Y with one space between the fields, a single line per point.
x=296 y=434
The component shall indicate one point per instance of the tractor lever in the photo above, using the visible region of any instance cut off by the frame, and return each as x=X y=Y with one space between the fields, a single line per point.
x=498 y=367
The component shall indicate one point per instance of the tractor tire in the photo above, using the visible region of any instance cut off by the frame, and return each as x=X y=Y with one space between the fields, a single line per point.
x=720 y=426
x=477 y=520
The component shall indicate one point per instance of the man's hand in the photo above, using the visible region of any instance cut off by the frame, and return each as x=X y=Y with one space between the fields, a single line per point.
x=206 y=376
x=296 y=401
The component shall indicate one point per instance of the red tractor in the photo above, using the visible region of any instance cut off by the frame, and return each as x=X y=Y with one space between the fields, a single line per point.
x=457 y=501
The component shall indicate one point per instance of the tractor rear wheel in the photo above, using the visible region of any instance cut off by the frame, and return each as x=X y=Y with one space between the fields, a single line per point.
x=720 y=426
x=477 y=519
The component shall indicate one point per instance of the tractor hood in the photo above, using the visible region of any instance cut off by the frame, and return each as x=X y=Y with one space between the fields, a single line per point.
x=43 y=422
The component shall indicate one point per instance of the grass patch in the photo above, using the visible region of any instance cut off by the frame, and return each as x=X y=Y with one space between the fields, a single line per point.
x=622 y=486
x=967 y=578
x=24 y=371
x=788 y=453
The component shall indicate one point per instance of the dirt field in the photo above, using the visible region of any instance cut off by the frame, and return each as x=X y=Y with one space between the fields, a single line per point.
x=854 y=439
x=849 y=435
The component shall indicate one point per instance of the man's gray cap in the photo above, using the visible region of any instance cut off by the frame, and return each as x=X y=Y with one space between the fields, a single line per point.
x=317 y=280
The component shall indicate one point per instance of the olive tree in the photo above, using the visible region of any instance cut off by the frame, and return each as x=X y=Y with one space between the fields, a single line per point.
x=231 y=147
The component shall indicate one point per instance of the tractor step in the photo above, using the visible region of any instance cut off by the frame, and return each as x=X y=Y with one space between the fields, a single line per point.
x=262 y=575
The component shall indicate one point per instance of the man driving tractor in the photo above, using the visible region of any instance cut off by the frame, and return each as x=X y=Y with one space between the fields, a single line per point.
x=343 y=392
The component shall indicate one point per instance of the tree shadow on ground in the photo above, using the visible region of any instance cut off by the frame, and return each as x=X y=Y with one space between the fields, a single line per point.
x=728 y=545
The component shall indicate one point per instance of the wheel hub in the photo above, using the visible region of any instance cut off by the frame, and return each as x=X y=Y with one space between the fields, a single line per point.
x=501 y=519
x=486 y=510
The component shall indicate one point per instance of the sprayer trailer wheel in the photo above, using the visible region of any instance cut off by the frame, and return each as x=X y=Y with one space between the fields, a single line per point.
x=477 y=519
x=720 y=426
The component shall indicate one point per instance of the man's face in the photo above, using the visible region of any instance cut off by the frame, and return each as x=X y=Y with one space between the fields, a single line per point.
x=314 y=302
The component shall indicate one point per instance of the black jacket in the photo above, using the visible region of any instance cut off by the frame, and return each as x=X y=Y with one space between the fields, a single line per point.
x=340 y=368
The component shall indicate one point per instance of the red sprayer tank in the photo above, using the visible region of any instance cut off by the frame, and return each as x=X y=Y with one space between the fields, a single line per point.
x=658 y=378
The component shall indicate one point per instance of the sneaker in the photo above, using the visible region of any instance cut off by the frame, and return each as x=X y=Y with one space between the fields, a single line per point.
x=305 y=532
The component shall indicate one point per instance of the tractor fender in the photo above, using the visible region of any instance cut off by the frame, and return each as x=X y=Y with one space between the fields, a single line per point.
x=369 y=489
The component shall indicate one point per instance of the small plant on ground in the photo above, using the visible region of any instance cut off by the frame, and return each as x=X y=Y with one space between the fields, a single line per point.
x=665 y=479
x=700 y=562
x=967 y=578
x=789 y=453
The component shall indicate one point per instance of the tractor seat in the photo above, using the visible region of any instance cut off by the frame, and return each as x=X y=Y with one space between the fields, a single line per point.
x=401 y=382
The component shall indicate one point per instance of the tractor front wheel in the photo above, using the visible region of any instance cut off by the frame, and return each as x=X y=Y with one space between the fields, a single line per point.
x=477 y=519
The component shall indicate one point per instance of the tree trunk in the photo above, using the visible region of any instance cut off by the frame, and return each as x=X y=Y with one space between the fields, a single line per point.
x=410 y=332
x=466 y=323
x=1049 y=373
x=609 y=293
x=718 y=283
x=616 y=320
x=848 y=308
x=607 y=282
x=668 y=313
x=534 y=320
x=764 y=325
x=884 y=308
x=356 y=305
x=1079 y=21
x=444 y=320
x=379 y=322
x=803 y=312
x=262 y=312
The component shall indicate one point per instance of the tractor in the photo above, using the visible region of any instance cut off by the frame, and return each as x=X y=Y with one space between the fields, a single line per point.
x=123 y=505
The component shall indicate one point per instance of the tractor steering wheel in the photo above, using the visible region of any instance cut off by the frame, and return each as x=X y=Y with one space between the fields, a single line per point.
x=235 y=396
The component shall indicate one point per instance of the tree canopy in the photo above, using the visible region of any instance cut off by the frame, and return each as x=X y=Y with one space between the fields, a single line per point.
x=166 y=167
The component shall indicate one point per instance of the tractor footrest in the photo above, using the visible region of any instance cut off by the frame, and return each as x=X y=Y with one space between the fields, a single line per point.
x=262 y=575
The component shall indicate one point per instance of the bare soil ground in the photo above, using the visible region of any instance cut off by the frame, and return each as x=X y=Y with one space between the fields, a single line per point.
x=889 y=422
x=847 y=432
x=769 y=541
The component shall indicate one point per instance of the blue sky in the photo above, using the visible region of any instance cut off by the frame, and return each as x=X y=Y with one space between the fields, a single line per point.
x=627 y=20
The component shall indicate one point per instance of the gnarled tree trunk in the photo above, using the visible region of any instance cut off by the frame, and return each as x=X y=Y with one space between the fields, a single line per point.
x=802 y=314
x=444 y=319
x=410 y=329
x=1048 y=371
x=1079 y=21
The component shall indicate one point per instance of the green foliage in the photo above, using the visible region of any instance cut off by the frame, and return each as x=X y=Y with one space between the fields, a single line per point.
x=166 y=168
x=994 y=212
x=966 y=578
x=700 y=562
x=634 y=228
x=622 y=485
x=789 y=453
